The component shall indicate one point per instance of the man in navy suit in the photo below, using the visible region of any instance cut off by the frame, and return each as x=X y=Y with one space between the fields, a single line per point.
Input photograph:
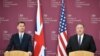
x=81 y=41
x=21 y=40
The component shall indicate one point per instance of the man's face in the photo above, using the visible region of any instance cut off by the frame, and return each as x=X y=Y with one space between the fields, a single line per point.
x=21 y=27
x=79 y=29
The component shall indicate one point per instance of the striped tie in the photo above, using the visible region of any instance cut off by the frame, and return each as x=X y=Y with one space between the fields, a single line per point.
x=79 y=41
x=21 y=37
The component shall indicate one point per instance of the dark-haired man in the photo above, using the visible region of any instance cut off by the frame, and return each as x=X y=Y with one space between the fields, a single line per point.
x=21 y=40
x=81 y=41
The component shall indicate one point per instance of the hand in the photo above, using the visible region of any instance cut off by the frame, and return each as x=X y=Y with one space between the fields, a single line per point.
x=30 y=53
x=6 y=51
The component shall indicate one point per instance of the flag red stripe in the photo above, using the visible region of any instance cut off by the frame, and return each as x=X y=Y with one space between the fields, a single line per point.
x=62 y=42
x=66 y=37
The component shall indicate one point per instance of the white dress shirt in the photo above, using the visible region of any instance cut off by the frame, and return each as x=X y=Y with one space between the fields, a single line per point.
x=21 y=34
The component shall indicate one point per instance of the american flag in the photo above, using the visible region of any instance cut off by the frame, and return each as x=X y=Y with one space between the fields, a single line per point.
x=62 y=36
x=39 y=45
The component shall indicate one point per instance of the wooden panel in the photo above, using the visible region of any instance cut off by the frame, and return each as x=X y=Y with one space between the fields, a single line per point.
x=16 y=53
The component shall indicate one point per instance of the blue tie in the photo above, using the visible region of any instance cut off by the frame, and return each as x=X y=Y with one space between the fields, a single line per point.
x=79 y=41
x=21 y=37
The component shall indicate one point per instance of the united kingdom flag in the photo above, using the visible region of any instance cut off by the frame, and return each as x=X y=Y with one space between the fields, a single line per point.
x=39 y=45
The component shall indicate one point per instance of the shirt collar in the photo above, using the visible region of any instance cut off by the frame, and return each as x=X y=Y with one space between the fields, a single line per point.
x=81 y=35
x=21 y=33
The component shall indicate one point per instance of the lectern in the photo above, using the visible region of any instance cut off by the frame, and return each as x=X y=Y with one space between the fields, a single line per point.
x=81 y=53
x=16 y=53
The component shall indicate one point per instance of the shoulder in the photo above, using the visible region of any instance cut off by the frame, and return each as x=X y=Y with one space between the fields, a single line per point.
x=88 y=36
x=26 y=34
x=14 y=35
x=73 y=37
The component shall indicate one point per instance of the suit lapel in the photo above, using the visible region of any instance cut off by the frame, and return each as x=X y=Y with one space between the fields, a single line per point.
x=23 y=39
x=18 y=40
x=83 y=40
x=76 y=38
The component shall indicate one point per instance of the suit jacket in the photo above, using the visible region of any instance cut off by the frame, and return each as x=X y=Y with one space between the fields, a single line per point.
x=25 y=45
x=88 y=44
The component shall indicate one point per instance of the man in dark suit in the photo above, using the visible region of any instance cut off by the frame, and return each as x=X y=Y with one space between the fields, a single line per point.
x=81 y=41
x=21 y=40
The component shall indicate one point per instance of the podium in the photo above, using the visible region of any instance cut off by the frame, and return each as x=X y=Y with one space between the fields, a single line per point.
x=81 y=53
x=16 y=53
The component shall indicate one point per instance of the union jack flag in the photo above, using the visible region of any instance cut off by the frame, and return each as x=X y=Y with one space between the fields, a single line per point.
x=39 y=43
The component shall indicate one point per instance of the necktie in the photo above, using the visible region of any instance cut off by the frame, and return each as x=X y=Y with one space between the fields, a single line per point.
x=79 y=41
x=21 y=37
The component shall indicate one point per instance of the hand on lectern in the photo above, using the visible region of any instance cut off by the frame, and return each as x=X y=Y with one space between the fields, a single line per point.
x=30 y=53
x=6 y=51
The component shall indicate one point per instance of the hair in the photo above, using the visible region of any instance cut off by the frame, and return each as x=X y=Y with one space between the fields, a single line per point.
x=21 y=22
x=80 y=24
